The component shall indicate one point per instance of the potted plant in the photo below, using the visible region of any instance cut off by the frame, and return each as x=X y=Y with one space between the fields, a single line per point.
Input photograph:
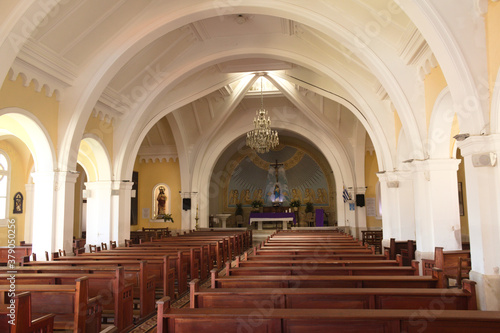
x=309 y=207
x=295 y=204
x=256 y=204
x=168 y=217
x=239 y=209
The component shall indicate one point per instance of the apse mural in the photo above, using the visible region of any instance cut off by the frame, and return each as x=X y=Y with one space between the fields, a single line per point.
x=280 y=176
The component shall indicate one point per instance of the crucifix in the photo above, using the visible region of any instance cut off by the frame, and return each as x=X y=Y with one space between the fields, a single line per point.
x=276 y=166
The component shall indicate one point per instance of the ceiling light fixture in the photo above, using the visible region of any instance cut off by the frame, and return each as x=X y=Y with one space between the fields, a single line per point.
x=262 y=138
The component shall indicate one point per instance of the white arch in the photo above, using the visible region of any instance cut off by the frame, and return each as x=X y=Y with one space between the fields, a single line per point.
x=136 y=134
x=438 y=143
x=30 y=130
x=101 y=71
x=337 y=158
x=451 y=58
x=102 y=169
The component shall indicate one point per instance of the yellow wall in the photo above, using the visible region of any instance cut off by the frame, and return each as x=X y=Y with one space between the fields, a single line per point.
x=434 y=83
x=19 y=163
x=151 y=174
x=46 y=109
x=102 y=129
x=371 y=179
x=492 y=45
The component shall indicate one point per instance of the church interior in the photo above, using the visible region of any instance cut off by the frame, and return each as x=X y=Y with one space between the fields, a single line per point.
x=331 y=119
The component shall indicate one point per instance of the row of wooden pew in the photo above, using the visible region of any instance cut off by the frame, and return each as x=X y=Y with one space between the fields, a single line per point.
x=321 y=282
x=117 y=288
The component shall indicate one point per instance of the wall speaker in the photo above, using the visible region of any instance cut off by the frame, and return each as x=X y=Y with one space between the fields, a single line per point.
x=186 y=203
x=484 y=159
x=360 y=200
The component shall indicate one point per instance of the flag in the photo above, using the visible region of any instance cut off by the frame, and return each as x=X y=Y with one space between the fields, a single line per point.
x=345 y=195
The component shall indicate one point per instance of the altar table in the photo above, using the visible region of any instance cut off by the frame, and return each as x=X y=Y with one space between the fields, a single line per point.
x=272 y=217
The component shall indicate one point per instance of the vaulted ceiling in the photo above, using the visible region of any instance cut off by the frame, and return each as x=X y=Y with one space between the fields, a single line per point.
x=177 y=76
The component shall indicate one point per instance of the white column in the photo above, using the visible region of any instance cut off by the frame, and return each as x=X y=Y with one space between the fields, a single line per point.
x=44 y=230
x=120 y=213
x=483 y=205
x=98 y=212
x=360 y=214
x=29 y=208
x=437 y=216
x=398 y=206
x=65 y=196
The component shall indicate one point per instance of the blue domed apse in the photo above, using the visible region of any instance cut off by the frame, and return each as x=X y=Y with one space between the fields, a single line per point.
x=279 y=176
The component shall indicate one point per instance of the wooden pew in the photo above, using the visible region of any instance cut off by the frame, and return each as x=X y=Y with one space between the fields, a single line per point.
x=316 y=256
x=211 y=320
x=21 y=317
x=335 y=298
x=449 y=262
x=136 y=273
x=323 y=270
x=107 y=282
x=405 y=248
x=14 y=255
x=437 y=280
x=317 y=262
x=70 y=303
x=159 y=266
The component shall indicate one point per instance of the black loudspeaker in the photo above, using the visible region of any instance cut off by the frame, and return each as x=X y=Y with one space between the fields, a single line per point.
x=360 y=200
x=186 y=203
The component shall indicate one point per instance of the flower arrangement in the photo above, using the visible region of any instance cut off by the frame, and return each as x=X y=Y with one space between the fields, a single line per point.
x=295 y=203
x=257 y=204
x=167 y=217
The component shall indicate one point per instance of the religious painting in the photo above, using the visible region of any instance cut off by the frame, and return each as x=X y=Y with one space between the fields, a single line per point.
x=277 y=178
x=18 y=203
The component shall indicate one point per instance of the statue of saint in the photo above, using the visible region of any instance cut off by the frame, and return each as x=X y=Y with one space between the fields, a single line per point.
x=162 y=200
x=277 y=193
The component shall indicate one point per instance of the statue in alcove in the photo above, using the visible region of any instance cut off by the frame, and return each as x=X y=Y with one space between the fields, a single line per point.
x=162 y=200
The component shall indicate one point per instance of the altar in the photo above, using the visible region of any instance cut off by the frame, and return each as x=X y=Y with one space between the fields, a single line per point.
x=272 y=217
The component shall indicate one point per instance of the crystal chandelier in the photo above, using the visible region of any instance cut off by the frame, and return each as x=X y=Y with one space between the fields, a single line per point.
x=262 y=137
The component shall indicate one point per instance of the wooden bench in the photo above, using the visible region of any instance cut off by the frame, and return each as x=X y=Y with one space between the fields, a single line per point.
x=317 y=256
x=323 y=270
x=159 y=266
x=449 y=262
x=335 y=298
x=437 y=280
x=405 y=248
x=209 y=320
x=21 y=317
x=14 y=255
x=317 y=263
x=136 y=272
x=107 y=282
x=70 y=303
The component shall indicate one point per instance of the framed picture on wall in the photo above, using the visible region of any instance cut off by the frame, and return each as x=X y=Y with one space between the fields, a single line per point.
x=18 y=203
x=460 y=199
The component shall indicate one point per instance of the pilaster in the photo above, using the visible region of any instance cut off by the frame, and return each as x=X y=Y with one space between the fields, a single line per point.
x=482 y=176
x=437 y=217
x=121 y=195
x=398 y=205
x=98 y=212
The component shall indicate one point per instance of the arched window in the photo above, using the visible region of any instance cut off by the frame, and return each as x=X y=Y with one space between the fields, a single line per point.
x=4 y=186
x=161 y=201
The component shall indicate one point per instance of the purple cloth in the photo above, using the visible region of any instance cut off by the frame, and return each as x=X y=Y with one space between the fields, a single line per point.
x=273 y=215
x=320 y=216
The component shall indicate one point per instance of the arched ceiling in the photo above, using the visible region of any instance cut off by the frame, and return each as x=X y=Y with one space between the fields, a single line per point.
x=170 y=74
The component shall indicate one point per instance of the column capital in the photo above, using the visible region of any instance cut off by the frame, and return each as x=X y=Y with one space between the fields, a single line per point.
x=480 y=144
x=446 y=164
x=394 y=176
